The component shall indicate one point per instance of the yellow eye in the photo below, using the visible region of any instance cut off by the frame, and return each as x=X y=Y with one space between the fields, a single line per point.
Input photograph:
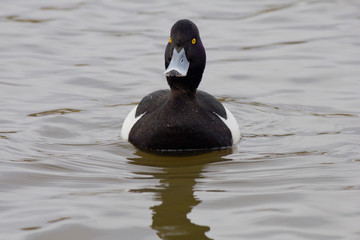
x=193 y=41
x=169 y=39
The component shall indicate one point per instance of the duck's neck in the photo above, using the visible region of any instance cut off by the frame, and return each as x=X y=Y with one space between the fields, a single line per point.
x=181 y=94
x=184 y=87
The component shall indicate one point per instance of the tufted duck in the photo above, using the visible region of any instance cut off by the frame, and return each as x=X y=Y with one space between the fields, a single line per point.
x=182 y=118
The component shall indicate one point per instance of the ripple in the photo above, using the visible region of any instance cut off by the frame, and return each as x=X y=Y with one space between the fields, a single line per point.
x=54 y=112
x=59 y=219
x=30 y=228
x=274 y=44
x=69 y=8
x=16 y=18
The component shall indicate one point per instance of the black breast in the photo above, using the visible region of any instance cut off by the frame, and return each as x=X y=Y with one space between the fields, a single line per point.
x=180 y=124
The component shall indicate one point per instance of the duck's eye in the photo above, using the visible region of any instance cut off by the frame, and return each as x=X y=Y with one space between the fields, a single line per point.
x=170 y=40
x=193 y=41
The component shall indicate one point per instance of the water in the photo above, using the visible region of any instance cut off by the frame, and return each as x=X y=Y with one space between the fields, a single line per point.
x=72 y=70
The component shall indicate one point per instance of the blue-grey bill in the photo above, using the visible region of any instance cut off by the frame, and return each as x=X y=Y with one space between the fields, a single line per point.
x=179 y=65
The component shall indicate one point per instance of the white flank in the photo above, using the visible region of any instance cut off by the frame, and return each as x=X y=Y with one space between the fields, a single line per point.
x=232 y=124
x=129 y=122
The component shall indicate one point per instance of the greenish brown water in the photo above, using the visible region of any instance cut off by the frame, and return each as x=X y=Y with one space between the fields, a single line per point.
x=70 y=71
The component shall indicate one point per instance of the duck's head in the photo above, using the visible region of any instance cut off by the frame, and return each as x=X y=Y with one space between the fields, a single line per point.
x=185 y=57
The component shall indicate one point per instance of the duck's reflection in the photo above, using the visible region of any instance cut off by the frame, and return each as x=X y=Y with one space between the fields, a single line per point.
x=177 y=177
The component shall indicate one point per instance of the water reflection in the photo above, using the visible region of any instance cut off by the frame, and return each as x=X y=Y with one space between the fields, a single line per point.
x=177 y=179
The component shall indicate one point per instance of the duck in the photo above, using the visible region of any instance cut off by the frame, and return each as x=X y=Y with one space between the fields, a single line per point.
x=181 y=118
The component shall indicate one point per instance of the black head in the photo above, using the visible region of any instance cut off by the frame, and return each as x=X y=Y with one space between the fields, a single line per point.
x=186 y=56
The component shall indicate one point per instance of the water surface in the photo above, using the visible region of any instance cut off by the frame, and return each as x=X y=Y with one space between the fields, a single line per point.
x=72 y=70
